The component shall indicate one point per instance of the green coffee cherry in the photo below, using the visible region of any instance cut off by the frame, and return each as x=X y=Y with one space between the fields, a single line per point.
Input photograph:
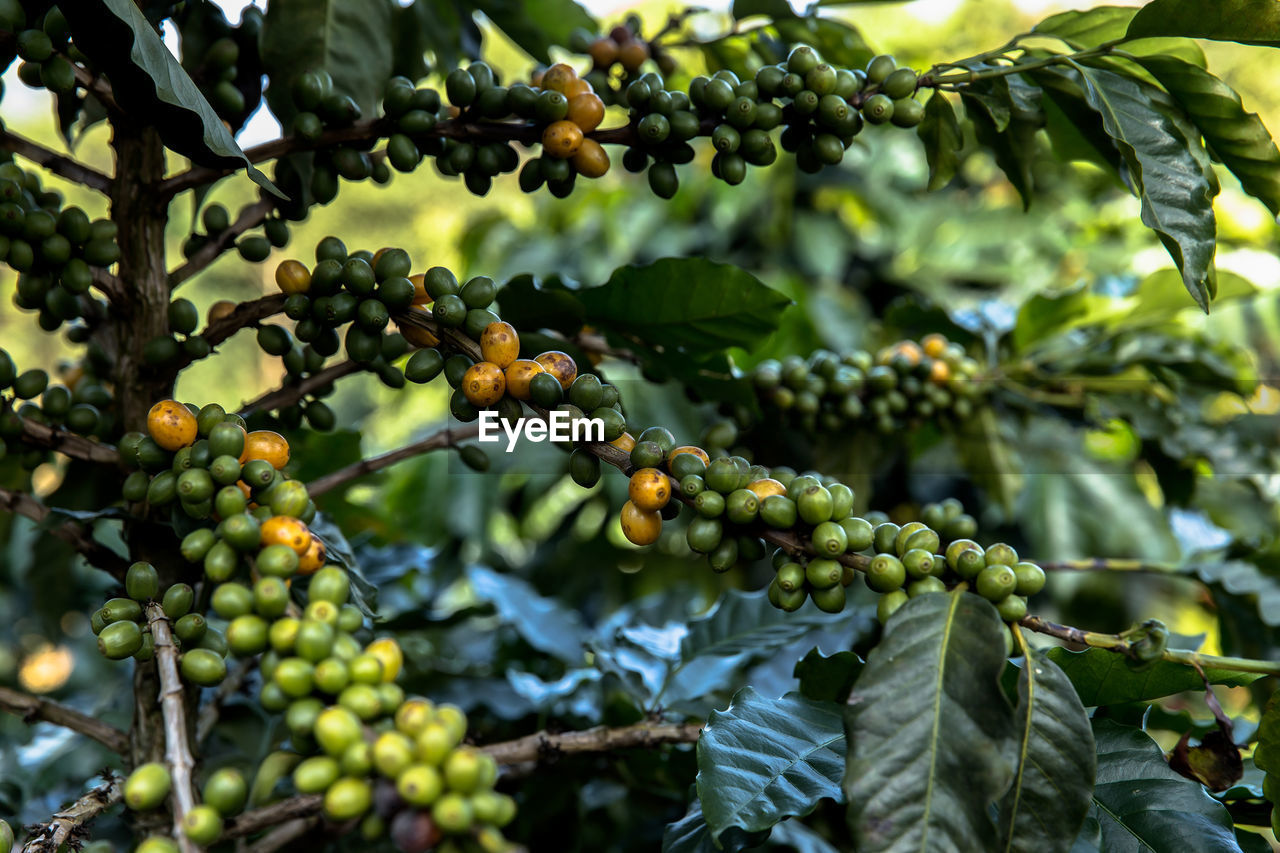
x=147 y=786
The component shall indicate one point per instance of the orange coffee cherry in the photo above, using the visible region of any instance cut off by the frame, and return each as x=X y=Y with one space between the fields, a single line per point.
x=603 y=52
x=311 y=560
x=765 y=487
x=293 y=277
x=625 y=442
x=689 y=448
x=288 y=531
x=418 y=336
x=939 y=372
x=934 y=345
x=633 y=54
x=640 y=527
x=500 y=344
x=221 y=308
x=577 y=87
x=171 y=425
x=586 y=111
x=562 y=139
x=518 y=374
x=420 y=296
x=484 y=383
x=649 y=489
x=558 y=76
x=591 y=161
x=560 y=365
x=268 y=445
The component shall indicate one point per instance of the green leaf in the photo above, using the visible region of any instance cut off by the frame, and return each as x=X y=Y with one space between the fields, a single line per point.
x=1244 y=21
x=828 y=679
x=930 y=729
x=1176 y=197
x=544 y=623
x=1051 y=790
x=1006 y=119
x=536 y=25
x=1238 y=577
x=151 y=85
x=1087 y=28
x=688 y=303
x=1237 y=137
x=1145 y=807
x=1103 y=677
x=1074 y=129
x=691 y=834
x=763 y=760
x=530 y=302
x=988 y=454
x=940 y=132
x=770 y=8
x=350 y=39
x=746 y=623
x=1266 y=755
x=439 y=26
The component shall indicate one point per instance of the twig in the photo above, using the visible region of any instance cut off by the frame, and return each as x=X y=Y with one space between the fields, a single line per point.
x=68 y=443
x=33 y=708
x=59 y=164
x=1116 y=643
x=447 y=437
x=72 y=532
x=1103 y=564
x=109 y=283
x=535 y=747
x=262 y=818
x=251 y=216
x=283 y=835
x=544 y=745
x=100 y=88
x=64 y=824
x=290 y=394
x=177 y=751
x=244 y=314
x=208 y=717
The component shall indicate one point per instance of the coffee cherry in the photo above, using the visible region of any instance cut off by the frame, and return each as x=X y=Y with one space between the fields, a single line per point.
x=142 y=582
x=1030 y=578
x=1012 y=608
x=995 y=582
x=880 y=68
x=147 y=786
x=348 y=798
x=203 y=667
x=1001 y=554
x=889 y=604
x=120 y=640
x=829 y=539
x=830 y=600
x=886 y=573
x=822 y=573
x=641 y=527
x=202 y=824
x=226 y=791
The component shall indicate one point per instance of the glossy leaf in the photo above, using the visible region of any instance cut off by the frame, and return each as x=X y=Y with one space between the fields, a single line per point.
x=1104 y=678
x=689 y=303
x=1244 y=21
x=828 y=679
x=1050 y=796
x=350 y=39
x=544 y=623
x=930 y=730
x=1237 y=137
x=1089 y=27
x=942 y=137
x=150 y=83
x=762 y=760
x=537 y=25
x=1142 y=805
x=1165 y=174
x=691 y=834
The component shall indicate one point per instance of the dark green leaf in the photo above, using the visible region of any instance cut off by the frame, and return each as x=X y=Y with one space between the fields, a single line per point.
x=1142 y=805
x=442 y=27
x=746 y=623
x=763 y=760
x=930 y=730
x=544 y=623
x=1237 y=577
x=1088 y=28
x=150 y=83
x=536 y=25
x=688 y=303
x=1006 y=116
x=1049 y=799
x=771 y=8
x=940 y=132
x=1102 y=677
x=1266 y=755
x=1237 y=137
x=530 y=302
x=691 y=834
x=350 y=39
x=1073 y=127
x=828 y=679
x=1176 y=198
x=1245 y=21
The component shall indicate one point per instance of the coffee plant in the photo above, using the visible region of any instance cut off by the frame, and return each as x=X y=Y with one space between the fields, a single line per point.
x=910 y=467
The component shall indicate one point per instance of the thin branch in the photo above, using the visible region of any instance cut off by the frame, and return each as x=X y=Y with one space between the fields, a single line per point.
x=59 y=164
x=251 y=216
x=1116 y=643
x=98 y=86
x=544 y=745
x=109 y=283
x=447 y=437
x=283 y=835
x=535 y=747
x=244 y=314
x=67 y=823
x=230 y=686
x=68 y=443
x=72 y=532
x=1104 y=564
x=35 y=709
x=177 y=751
x=277 y=813
x=290 y=394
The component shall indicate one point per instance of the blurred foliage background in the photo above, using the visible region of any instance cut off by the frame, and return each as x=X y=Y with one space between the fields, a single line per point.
x=1122 y=423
